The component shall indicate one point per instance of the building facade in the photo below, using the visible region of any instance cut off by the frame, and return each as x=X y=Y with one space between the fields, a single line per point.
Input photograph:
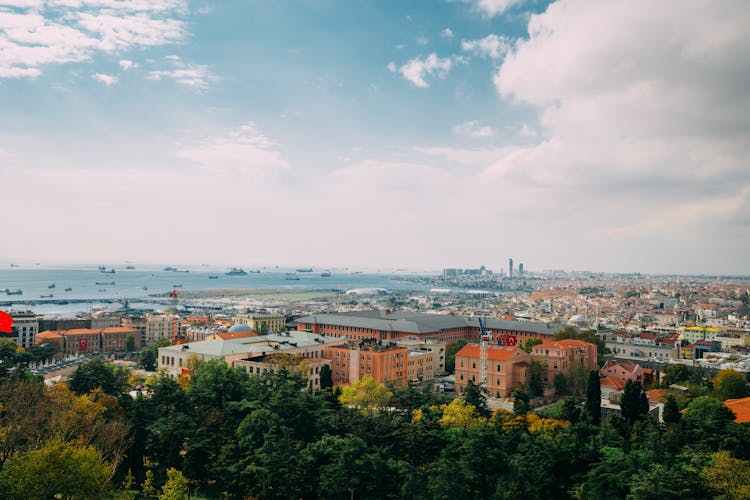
x=25 y=328
x=507 y=368
x=562 y=355
x=421 y=366
x=162 y=326
x=274 y=323
x=87 y=340
x=351 y=362
x=399 y=325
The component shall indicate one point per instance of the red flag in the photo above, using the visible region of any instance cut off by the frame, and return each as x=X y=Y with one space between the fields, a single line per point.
x=6 y=322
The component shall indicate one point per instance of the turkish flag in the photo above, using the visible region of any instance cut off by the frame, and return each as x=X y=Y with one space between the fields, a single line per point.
x=6 y=322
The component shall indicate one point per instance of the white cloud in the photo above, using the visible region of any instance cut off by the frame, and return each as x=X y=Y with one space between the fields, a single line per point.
x=422 y=40
x=195 y=76
x=241 y=152
x=417 y=69
x=447 y=33
x=127 y=64
x=472 y=128
x=642 y=107
x=492 y=8
x=105 y=79
x=65 y=31
x=492 y=45
x=392 y=67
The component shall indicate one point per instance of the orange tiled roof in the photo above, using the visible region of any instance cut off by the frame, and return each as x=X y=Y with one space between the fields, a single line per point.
x=656 y=395
x=497 y=353
x=614 y=382
x=119 y=329
x=49 y=334
x=562 y=344
x=740 y=407
x=80 y=331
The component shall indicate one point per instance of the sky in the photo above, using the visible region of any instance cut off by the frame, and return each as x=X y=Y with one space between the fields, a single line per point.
x=573 y=134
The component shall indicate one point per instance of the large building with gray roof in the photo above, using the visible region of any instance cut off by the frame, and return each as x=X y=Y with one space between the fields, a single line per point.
x=397 y=325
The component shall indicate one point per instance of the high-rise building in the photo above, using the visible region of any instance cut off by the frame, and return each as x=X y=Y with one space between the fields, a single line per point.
x=520 y=269
x=510 y=268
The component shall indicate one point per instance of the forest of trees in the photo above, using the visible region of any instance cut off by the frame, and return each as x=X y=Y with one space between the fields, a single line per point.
x=226 y=434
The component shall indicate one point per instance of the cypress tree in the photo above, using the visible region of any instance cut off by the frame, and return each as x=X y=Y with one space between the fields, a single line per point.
x=593 y=406
x=671 y=413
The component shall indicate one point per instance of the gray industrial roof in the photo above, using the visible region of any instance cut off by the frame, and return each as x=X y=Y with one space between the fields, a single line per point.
x=410 y=322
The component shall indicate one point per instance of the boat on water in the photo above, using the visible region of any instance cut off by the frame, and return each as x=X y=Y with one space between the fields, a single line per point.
x=291 y=277
x=326 y=274
x=169 y=268
x=14 y=265
x=213 y=277
x=236 y=271
x=111 y=271
x=11 y=292
x=68 y=289
x=176 y=286
x=181 y=271
x=51 y=286
x=111 y=283
x=130 y=267
x=254 y=271
x=46 y=296
x=102 y=268
x=305 y=270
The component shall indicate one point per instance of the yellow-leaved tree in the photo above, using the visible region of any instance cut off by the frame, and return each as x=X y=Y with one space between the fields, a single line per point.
x=460 y=415
x=366 y=394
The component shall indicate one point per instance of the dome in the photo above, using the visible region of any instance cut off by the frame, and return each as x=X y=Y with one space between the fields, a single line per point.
x=578 y=319
x=239 y=327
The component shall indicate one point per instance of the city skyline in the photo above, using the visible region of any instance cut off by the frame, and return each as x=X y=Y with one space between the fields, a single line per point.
x=570 y=134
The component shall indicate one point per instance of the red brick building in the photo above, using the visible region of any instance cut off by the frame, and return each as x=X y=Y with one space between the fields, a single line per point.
x=87 y=340
x=352 y=362
x=396 y=325
x=507 y=368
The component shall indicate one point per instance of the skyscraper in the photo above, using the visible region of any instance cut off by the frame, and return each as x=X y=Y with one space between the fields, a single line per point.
x=510 y=268
x=520 y=270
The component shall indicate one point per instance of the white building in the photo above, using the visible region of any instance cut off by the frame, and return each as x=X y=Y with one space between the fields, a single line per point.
x=25 y=327
x=175 y=359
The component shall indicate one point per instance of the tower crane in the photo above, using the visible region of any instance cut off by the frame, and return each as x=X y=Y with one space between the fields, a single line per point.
x=483 y=346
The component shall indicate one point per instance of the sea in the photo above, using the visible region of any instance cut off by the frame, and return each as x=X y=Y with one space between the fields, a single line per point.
x=92 y=289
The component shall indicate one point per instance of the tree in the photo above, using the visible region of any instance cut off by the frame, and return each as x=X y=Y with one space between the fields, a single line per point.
x=150 y=354
x=96 y=373
x=147 y=488
x=326 y=377
x=366 y=394
x=665 y=482
x=459 y=414
x=528 y=346
x=130 y=343
x=730 y=384
x=450 y=354
x=476 y=395
x=561 y=384
x=57 y=470
x=592 y=409
x=537 y=371
x=671 y=413
x=631 y=404
x=176 y=487
x=576 y=379
x=674 y=374
x=728 y=476
x=521 y=404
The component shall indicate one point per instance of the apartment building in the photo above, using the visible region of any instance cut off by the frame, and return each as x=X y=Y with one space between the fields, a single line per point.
x=384 y=362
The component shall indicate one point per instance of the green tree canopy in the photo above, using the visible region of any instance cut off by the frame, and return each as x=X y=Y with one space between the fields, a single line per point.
x=56 y=470
x=98 y=374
